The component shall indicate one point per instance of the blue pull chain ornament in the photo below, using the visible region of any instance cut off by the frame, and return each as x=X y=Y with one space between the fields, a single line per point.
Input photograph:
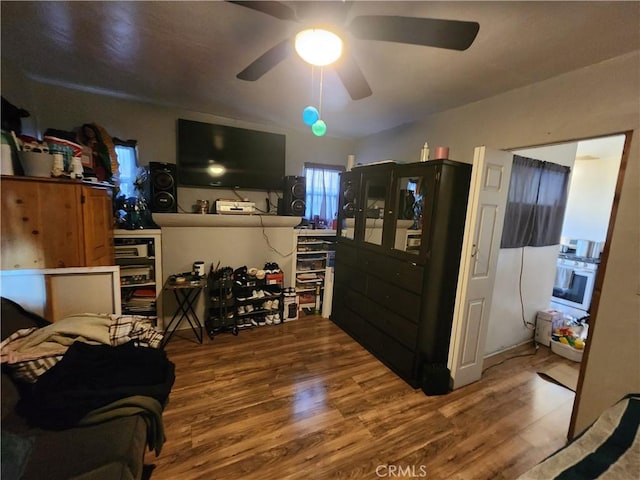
x=310 y=115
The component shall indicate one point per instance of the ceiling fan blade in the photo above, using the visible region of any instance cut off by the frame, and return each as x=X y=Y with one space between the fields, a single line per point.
x=352 y=77
x=430 y=32
x=274 y=9
x=330 y=12
x=267 y=61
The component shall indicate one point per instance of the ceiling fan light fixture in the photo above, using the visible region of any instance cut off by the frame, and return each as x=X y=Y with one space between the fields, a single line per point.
x=318 y=47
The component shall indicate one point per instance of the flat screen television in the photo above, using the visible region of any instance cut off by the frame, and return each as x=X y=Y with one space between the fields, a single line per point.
x=220 y=156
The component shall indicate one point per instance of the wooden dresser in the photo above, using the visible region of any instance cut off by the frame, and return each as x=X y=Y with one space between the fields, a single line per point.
x=52 y=223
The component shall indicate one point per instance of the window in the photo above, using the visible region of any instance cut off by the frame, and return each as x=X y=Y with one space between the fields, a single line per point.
x=323 y=187
x=536 y=203
x=127 y=153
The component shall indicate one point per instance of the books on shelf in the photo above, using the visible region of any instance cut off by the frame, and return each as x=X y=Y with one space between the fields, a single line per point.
x=140 y=300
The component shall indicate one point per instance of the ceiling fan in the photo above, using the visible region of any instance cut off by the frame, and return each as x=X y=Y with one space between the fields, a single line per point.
x=430 y=32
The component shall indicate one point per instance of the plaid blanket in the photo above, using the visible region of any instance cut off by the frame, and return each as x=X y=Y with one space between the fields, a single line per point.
x=30 y=352
x=141 y=330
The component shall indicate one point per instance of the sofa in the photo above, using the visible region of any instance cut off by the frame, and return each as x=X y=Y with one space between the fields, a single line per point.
x=112 y=446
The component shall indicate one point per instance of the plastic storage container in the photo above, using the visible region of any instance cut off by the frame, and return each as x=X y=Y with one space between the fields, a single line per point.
x=36 y=164
x=566 y=351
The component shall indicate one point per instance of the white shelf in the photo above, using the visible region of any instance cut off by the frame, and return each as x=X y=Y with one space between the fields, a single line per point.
x=312 y=246
x=152 y=262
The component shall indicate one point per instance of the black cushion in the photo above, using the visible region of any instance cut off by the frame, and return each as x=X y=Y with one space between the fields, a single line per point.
x=13 y=317
x=112 y=451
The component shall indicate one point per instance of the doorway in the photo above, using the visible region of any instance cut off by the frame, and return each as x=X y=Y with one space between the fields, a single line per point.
x=522 y=285
x=525 y=277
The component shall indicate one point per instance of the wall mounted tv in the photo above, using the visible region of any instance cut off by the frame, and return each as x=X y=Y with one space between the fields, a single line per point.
x=220 y=156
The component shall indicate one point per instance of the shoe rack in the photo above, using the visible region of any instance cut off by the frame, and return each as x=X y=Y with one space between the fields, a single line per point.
x=244 y=298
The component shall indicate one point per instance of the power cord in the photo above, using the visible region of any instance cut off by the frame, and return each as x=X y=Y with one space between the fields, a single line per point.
x=528 y=325
x=537 y=347
x=271 y=247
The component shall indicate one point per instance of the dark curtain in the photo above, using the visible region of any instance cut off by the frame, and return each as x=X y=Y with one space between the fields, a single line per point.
x=536 y=203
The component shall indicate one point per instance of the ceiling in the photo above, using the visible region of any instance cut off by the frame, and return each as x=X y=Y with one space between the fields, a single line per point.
x=187 y=55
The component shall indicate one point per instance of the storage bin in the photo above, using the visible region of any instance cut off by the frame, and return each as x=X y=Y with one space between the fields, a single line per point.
x=36 y=164
x=566 y=351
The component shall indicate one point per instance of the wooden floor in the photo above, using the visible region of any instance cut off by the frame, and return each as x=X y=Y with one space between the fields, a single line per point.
x=302 y=400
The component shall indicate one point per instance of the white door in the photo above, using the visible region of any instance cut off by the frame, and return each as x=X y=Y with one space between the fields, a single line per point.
x=480 y=247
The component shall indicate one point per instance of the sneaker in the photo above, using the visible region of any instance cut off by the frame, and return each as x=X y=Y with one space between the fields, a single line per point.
x=275 y=304
x=269 y=319
x=276 y=319
x=241 y=310
x=260 y=294
x=249 y=308
x=267 y=305
x=253 y=323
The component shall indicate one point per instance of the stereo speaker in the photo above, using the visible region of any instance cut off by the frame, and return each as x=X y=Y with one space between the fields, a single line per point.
x=294 y=191
x=349 y=197
x=163 y=190
x=407 y=201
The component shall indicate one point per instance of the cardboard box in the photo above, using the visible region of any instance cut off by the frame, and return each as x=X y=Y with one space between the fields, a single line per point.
x=274 y=278
x=553 y=316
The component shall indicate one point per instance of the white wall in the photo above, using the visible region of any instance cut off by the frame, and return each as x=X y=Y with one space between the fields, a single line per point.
x=598 y=100
x=154 y=127
x=591 y=192
x=231 y=246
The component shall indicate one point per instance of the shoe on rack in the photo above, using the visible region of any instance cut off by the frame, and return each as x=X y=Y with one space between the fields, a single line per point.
x=267 y=305
x=260 y=294
x=241 y=310
x=248 y=308
x=253 y=323
x=275 y=304
x=269 y=319
x=276 y=319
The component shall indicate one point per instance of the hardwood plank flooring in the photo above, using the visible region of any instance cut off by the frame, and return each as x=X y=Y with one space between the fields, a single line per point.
x=302 y=400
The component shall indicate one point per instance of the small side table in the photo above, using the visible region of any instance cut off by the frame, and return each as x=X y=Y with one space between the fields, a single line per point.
x=186 y=294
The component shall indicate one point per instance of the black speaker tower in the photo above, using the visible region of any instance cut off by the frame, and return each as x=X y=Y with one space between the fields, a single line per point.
x=294 y=191
x=163 y=190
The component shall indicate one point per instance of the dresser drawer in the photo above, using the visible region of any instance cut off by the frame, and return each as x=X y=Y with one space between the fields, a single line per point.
x=346 y=255
x=349 y=277
x=406 y=275
x=392 y=353
x=394 y=325
x=396 y=299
